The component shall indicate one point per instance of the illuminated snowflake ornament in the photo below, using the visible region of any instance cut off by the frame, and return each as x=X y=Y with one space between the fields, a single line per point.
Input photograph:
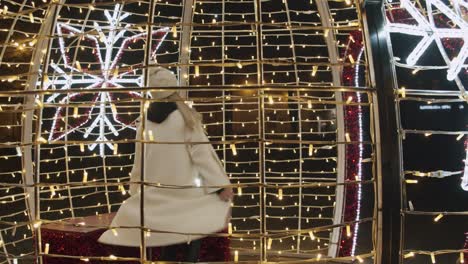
x=102 y=118
x=428 y=27
x=464 y=183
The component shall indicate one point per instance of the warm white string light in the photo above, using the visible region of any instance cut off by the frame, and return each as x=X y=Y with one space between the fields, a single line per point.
x=240 y=65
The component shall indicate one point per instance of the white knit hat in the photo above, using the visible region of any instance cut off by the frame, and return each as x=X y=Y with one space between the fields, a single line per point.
x=161 y=77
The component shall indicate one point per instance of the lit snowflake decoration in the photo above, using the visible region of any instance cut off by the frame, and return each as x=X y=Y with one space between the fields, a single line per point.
x=430 y=32
x=464 y=183
x=107 y=117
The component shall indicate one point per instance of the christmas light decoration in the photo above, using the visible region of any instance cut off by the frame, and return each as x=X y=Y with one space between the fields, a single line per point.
x=443 y=25
x=354 y=153
x=108 y=76
x=278 y=138
x=464 y=183
x=431 y=32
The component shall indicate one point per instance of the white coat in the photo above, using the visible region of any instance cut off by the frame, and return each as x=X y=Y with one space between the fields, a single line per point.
x=187 y=211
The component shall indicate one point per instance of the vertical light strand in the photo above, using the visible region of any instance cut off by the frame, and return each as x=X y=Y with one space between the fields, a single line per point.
x=261 y=124
x=360 y=154
x=146 y=62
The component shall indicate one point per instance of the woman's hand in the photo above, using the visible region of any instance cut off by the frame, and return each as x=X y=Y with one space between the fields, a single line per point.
x=226 y=194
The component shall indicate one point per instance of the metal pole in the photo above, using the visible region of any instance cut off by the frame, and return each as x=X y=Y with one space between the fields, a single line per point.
x=185 y=38
x=31 y=176
x=326 y=19
x=388 y=155
x=223 y=79
x=36 y=62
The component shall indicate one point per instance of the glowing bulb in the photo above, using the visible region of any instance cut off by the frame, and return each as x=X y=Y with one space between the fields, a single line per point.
x=42 y=140
x=325 y=33
x=75 y=112
x=311 y=149
x=314 y=70
x=233 y=149
x=403 y=92
x=347 y=137
x=78 y=66
x=85 y=176
x=39 y=103
x=18 y=151
x=113 y=108
x=37 y=224
x=311 y=235
x=438 y=217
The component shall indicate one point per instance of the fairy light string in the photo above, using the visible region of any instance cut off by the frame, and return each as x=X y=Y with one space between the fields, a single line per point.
x=234 y=74
x=440 y=25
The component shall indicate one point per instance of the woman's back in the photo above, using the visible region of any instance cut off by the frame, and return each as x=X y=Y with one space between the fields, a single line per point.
x=168 y=164
x=170 y=161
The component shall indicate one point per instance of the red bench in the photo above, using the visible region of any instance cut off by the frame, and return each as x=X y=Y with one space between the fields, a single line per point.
x=72 y=238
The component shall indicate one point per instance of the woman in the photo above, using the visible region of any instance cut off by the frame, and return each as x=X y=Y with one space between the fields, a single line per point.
x=173 y=210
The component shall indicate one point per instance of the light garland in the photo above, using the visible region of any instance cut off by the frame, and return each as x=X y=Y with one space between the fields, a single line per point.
x=354 y=153
x=281 y=155
x=442 y=24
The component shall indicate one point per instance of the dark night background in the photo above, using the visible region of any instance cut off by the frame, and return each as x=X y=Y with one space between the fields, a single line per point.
x=436 y=152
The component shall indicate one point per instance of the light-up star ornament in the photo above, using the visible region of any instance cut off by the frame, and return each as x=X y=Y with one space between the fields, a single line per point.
x=72 y=75
x=430 y=32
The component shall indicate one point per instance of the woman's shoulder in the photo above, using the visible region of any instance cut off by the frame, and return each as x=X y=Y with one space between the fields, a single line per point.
x=174 y=121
